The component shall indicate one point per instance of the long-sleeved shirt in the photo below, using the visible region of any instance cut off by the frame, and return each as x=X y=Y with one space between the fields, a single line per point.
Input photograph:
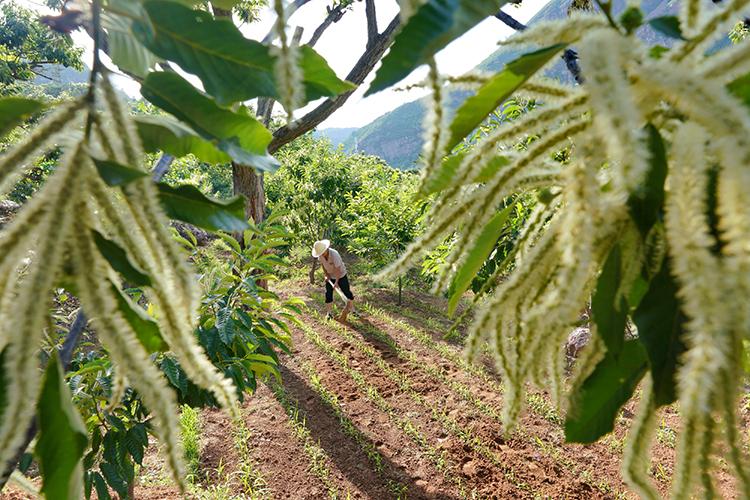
x=333 y=265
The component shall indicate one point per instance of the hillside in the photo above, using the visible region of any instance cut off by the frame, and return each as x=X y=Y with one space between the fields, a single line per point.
x=397 y=136
x=335 y=135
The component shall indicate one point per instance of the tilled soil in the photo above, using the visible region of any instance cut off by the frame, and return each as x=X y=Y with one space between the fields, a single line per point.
x=367 y=410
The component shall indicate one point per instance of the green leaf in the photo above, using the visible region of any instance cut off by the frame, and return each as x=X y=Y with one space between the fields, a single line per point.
x=667 y=25
x=116 y=174
x=319 y=79
x=595 y=406
x=15 y=110
x=231 y=67
x=646 y=202
x=134 y=445
x=225 y=4
x=237 y=134
x=62 y=436
x=484 y=245
x=188 y=204
x=225 y=326
x=146 y=329
x=443 y=178
x=740 y=88
x=102 y=492
x=430 y=29
x=114 y=478
x=164 y=133
x=119 y=261
x=174 y=374
x=496 y=90
x=124 y=49
x=657 y=51
x=609 y=307
x=660 y=323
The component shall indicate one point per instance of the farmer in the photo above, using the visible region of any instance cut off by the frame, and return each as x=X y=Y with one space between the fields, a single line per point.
x=335 y=271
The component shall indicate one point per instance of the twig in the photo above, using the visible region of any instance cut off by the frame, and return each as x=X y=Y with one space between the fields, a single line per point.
x=570 y=56
x=96 y=67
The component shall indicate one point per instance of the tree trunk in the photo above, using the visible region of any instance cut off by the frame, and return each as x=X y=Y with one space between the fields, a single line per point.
x=249 y=184
x=399 y=290
x=312 y=271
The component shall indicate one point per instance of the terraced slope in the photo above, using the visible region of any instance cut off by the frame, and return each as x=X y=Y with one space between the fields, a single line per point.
x=385 y=407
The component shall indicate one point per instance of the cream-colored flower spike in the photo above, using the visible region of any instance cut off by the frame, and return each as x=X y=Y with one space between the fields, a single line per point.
x=53 y=231
x=586 y=211
x=286 y=69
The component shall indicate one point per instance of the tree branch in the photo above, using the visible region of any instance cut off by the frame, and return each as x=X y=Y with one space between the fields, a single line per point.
x=570 y=56
x=372 y=23
x=334 y=15
x=290 y=9
x=510 y=21
x=357 y=75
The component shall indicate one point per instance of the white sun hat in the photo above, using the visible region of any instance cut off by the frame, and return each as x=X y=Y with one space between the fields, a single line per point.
x=320 y=247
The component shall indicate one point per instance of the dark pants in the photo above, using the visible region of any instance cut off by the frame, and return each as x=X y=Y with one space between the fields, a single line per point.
x=343 y=284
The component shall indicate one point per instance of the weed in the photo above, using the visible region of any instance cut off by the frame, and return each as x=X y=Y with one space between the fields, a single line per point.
x=407 y=427
x=317 y=457
x=366 y=445
x=448 y=422
x=250 y=478
x=541 y=407
x=666 y=435
x=191 y=429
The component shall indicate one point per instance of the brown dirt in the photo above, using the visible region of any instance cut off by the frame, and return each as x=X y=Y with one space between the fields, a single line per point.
x=532 y=463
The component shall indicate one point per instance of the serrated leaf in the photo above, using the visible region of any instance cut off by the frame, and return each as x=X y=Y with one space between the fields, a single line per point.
x=146 y=329
x=237 y=134
x=496 y=90
x=609 y=307
x=116 y=174
x=646 y=202
x=15 y=110
x=172 y=371
x=133 y=445
x=208 y=47
x=667 y=25
x=478 y=254
x=225 y=325
x=62 y=436
x=124 y=49
x=660 y=323
x=102 y=492
x=443 y=178
x=595 y=406
x=188 y=204
x=114 y=478
x=164 y=133
x=430 y=29
x=119 y=261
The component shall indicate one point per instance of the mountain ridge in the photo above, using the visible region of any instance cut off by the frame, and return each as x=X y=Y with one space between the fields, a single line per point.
x=396 y=136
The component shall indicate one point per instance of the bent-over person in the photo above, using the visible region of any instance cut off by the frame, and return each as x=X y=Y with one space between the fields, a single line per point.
x=336 y=277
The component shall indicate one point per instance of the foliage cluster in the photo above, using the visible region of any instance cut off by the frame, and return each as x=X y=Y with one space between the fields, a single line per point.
x=357 y=201
x=27 y=45
x=647 y=216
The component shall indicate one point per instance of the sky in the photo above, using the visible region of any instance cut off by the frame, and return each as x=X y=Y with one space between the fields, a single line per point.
x=343 y=43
